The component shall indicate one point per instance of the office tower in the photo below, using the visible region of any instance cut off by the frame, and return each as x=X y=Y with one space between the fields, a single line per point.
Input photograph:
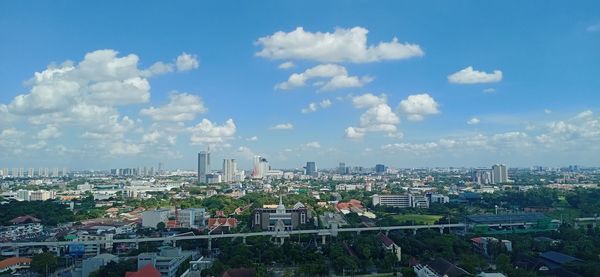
x=30 y=172
x=379 y=168
x=65 y=172
x=203 y=165
x=311 y=169
x=160 y=168
x=499 y=174
x=55 y=172
x=260 y=167
x=229 y=170
x=342 y=168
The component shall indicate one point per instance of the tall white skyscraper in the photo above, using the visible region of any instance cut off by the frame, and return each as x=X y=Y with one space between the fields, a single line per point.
x=203 y=165
x=499 y=173
x=261 y=167
x=229 y=170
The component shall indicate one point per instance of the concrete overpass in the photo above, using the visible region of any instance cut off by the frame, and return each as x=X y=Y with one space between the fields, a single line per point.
x=281 y=235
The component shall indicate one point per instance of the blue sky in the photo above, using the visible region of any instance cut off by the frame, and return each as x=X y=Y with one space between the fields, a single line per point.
x=436 y=83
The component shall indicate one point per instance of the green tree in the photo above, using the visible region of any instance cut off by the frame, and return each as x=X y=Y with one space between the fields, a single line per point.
x=44 y=263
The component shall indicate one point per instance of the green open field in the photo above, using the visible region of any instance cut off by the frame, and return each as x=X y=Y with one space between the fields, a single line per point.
x=418 y=218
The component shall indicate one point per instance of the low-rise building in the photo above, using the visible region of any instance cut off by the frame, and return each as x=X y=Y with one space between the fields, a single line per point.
x=167 y=261
x=400 y=200
x=280 y=218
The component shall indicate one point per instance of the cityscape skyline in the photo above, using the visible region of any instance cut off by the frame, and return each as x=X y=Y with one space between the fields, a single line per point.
x=390 y=87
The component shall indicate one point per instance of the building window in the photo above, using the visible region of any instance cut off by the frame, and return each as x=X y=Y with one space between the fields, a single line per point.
x=257 y=218
x=302 y=218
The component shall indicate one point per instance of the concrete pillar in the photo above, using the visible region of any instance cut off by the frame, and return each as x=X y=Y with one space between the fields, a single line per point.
x=137 y=245
x=58 y=251
x=387 y=232
x=442 y=231
x=17 y=251
x=209 y=245
x=323 y=240
x=414 y=232
x=282 y=239
x=244 y=240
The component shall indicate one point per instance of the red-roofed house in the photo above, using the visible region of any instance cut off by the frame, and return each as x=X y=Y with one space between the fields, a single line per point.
x=14 y=263
x=225 y=224
x=25 y=219
x=146 y=271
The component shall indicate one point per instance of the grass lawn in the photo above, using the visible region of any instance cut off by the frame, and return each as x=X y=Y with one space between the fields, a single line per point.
x=418 y=218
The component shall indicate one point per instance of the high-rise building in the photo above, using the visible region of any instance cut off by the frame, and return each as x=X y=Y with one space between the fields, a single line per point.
x=229 y=170
x=311 y=169
x=342 y=168
x=379 y=168
x=261 y=167
x=203 y=165
x=499 y=174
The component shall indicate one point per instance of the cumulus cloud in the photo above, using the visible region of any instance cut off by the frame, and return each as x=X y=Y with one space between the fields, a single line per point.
x=378 y=117
x=337 y=76
x=313 y=144
x=471 y=76
x=125 y=149
x=181 y=107
x=50 y=132
x=207 y=132
x=417 y=106
x=343 y=45
x=286 y=65
x=314 y=106
x=283 y=126
x=473 y=121
x=186 y=62
x=151 y=137
x=489 y=90
x=252 y=138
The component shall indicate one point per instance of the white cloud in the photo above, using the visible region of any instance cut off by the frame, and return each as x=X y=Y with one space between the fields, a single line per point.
x=337 y=75
x=489 y=90
x=286 y=65
x=158 y=68
x=368 y=100
x=473 y=121
x=313 y=106
x=378 y=117
x=125 y=149
x=313 y=144
x=207 y=132
x=547 y=111
x=471 y=76
x=253 y=138
x=417 y=106
x=343 y=45
x=283 y=126
x=181 y=107
x=186 y=62
x=151 y=137
x=355 y=133
x=50 y=132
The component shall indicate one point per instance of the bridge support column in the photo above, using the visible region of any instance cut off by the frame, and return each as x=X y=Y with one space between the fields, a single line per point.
x=414 y=232
x=209 y=245
x=282 y=240
x=137 y=245
x=442 y=231
x=58 y=251
x=387 y=232
x=244 y=240
x=323 y=239
x=17 y=251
